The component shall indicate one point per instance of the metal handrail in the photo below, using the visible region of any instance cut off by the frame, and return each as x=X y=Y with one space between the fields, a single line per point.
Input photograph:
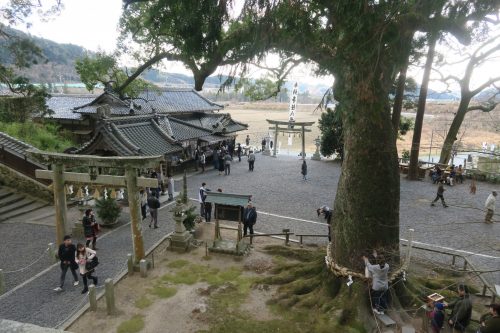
x=486 y=284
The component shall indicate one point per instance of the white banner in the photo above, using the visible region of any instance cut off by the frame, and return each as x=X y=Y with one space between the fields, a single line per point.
x=293 y=103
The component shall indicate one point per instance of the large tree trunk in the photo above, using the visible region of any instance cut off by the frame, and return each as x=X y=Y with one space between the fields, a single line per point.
x=419 y=119
x=451 y=137
x=366 y=208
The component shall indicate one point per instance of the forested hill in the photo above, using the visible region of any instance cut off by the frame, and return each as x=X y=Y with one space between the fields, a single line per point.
x=58 y=64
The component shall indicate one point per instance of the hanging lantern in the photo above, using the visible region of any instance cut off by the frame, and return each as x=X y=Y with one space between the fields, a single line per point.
x=97 y=194
x=113 y=194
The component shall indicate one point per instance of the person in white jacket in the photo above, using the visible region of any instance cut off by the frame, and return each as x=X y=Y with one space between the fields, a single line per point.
x=380 y=283
x=84 y=255
x=490 y=206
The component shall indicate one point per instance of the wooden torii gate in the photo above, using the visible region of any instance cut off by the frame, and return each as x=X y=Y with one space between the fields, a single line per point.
x=130 y=180
x=290 y=127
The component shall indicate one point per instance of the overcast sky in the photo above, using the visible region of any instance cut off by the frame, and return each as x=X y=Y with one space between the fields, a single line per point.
x=93 y=24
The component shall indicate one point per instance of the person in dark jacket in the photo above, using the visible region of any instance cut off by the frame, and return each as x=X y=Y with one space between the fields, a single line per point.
x=491 y=323
x=461 y=310
x=249 y=218
x=440 y=195
x=153 y=204
x=304 y=170
x=66 y=255
x=220 y=157
x=90 y=228
x=239 y=151
x=437 y=319
x=208 y=211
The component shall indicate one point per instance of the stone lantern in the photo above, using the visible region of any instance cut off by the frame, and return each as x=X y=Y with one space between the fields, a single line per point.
x=181 y=238
x=317 y=156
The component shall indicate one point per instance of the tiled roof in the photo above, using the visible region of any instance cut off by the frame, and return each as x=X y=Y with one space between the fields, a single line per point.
x=132 y=135
x=177 y=100
x=220 y=123
x=62 y=105
x=14 y=144
x=185 y=131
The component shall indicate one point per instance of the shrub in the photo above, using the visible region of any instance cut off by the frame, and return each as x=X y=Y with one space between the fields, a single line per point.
x=108 y=209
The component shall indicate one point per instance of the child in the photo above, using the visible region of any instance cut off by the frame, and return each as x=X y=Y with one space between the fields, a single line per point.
x=437 y=317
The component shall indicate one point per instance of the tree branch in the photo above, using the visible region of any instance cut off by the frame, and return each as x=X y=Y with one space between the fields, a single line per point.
x=485 y=85
x=484 y=108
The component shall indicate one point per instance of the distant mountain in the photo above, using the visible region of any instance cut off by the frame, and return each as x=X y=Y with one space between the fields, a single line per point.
x=58 y=65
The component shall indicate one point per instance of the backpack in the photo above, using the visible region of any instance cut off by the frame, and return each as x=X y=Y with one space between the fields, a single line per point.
x=251 y=158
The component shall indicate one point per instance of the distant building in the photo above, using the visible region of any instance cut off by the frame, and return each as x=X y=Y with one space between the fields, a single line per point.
x=171 y=122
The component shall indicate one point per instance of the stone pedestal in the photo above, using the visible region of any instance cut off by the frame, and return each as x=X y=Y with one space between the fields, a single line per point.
x=316 y=156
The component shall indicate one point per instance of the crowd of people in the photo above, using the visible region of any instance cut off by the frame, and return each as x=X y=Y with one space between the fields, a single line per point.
x=453 y=175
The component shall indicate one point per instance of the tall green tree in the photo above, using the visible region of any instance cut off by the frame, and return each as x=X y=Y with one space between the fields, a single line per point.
x=363 y=44
x=103 y=69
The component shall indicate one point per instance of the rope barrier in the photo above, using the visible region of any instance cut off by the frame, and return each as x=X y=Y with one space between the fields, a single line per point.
x=28 y=266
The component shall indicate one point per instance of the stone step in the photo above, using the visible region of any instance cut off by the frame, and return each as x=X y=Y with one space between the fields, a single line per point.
x=386 y=320
x=33 y=207
x=4 y=193
x=16 y=205
x=407 y=329
x=13 y=198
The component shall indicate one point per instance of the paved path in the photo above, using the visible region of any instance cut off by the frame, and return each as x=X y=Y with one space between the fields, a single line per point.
x=277 y=189
x=35 y=301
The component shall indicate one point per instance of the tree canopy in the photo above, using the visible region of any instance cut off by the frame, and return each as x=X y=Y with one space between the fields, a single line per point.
x=363 y=44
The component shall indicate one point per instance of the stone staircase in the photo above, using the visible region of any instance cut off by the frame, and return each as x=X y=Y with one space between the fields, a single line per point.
x=15 y=204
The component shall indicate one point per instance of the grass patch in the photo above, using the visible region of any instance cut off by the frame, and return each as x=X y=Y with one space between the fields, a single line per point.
x=44 y=136
x=133 y=325
x=178 y=263
x=143 y=302
x=163 y=292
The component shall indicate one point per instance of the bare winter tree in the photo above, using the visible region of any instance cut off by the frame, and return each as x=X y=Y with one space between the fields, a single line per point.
x=487 y=50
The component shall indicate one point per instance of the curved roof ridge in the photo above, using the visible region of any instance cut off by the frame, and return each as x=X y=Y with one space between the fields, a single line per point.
x=162 y=132
x=125 y=141
x=207 y=100
x=187 y=123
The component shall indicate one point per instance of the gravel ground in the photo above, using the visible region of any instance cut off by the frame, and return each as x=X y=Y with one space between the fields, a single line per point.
x=36 y=302
x=277 y=188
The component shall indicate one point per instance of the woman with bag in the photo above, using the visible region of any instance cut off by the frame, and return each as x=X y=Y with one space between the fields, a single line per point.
x=87 y=261
x=90 y=228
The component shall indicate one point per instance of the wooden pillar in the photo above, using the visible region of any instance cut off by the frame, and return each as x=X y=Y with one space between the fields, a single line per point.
x=62 y=227
x=303 y=142
x=134 y=203
x=275 y=139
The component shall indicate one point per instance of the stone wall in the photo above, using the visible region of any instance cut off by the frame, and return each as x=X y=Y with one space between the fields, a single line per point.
x=21 y=183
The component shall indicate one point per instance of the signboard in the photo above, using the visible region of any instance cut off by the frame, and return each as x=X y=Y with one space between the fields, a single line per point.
x=293 y=103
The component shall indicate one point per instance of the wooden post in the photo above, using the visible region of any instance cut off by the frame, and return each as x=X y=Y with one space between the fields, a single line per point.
x=130 y=264
x=143 y=267
x=301 y=241
x=52 y=252
x=287 y=236
x=303 y=142
x=110 y=297
x=2 y=282
x=135 y=213
x=275 y=140
x=92 y=298
x=410 y=244
x=62 y=228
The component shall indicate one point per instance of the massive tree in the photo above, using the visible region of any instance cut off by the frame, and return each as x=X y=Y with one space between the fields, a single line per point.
x=364 y=44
